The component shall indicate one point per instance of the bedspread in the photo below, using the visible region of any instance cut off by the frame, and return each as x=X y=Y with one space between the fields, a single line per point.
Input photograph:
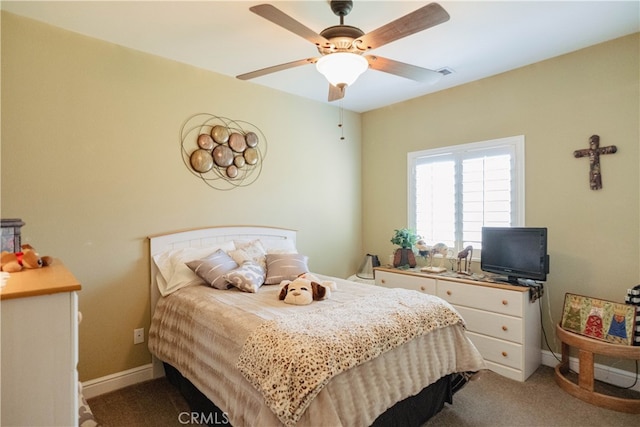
x=201 y=331
x=291 y=358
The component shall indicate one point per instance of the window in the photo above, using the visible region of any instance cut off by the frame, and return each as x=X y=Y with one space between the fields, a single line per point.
x=455 y=191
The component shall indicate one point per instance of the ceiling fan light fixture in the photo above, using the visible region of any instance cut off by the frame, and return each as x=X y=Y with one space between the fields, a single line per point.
x=342 y=68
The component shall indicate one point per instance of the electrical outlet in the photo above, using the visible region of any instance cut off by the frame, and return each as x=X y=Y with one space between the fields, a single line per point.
x=138 y=336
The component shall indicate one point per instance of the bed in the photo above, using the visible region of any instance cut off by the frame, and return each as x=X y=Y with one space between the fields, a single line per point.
x=365 y=356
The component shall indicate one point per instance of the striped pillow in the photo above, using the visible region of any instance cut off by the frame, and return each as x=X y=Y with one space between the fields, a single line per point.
x=285 y=267
x=212 y=268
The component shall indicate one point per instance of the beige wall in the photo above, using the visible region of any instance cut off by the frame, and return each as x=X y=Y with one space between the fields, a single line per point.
x=557 y=105
x=91 y=162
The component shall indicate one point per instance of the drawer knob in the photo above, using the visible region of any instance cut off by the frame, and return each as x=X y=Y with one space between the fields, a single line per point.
x=449 y=293
x=422 y=288
x=383 y=281
x=504 y=354
x=505 y=302
x=504 y=328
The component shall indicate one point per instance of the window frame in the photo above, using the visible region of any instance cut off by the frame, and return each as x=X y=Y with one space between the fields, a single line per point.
x=516 y=146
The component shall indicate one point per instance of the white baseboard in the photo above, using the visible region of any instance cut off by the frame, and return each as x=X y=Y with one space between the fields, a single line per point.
x=603 y=373
x=113 y=382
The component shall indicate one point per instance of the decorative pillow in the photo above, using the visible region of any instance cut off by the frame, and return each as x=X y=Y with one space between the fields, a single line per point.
x=213 y=268
x=249 y=251
x=279 y=246
x=248 y=278
x=285 y=267
x=174 y=271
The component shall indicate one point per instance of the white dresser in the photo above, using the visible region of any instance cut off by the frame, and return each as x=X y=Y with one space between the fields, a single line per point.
x=39 y=381
x=502 y=321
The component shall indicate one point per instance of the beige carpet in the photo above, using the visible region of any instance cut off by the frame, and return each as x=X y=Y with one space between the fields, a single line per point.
x=490 y=400
x=493 y=400
x=154 y=403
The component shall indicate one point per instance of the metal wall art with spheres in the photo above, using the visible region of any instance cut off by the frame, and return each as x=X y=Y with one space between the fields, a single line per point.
x=224 y=153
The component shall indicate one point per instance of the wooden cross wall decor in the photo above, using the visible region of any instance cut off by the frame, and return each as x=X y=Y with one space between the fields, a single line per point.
x=594 y=151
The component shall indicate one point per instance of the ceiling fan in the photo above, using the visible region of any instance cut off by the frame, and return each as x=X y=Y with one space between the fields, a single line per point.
x=341 y=47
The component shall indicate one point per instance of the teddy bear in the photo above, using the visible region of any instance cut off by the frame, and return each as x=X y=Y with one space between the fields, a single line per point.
x=12 y=262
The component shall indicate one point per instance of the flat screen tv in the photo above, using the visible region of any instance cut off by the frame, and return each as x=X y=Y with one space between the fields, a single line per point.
x=515 y=252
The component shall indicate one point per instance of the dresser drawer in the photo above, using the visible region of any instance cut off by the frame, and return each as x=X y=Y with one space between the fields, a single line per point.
x=495 y=325
x=498 y=351
x=501 y=321
x=399 y=280
x=482 y=297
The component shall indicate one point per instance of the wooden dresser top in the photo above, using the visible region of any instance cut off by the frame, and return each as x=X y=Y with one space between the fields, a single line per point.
x=51 y=279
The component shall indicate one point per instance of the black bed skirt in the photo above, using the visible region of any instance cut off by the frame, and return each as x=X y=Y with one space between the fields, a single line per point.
x=411 y=412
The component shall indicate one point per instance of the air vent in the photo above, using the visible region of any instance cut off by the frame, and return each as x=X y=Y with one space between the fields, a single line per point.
x=445 y=71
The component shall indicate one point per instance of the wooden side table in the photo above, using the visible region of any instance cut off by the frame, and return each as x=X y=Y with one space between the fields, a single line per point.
x=584 y=390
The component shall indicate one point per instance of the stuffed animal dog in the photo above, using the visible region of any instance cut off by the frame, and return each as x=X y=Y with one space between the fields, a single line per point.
x=331 y=286
x=301 y=291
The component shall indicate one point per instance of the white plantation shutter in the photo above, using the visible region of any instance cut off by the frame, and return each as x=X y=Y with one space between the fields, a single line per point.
x=455 y=191
x=435 y=183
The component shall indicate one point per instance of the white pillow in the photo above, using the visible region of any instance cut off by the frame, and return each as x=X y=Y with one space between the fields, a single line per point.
x=280 y=246
x=173 y=268
x=249 y=251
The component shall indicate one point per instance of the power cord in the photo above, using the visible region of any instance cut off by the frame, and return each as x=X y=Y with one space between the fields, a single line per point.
x=544 y=333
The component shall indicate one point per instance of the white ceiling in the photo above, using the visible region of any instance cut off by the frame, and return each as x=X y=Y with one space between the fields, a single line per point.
x=481 y=39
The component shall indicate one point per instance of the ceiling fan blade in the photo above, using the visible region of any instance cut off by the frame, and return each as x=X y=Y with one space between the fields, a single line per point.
x=336 y=92
x=413 y=72
x=280 y=18
x=426 y=17
x=273 y=69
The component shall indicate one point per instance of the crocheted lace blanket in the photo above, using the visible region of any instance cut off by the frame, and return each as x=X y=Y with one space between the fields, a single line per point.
x=291 y=358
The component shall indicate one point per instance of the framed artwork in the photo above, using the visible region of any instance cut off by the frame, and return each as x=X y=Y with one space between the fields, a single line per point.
x=599 y=319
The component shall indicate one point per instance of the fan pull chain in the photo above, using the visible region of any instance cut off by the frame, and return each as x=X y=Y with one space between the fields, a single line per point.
x=341 y=121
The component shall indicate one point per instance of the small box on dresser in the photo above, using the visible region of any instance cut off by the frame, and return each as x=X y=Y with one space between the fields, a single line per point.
x=11 y=236
x=502 y=321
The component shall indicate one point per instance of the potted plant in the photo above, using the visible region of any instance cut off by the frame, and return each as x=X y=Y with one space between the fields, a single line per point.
x=404 y=256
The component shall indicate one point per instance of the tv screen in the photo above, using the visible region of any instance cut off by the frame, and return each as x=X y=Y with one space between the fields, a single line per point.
x=515 y=252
